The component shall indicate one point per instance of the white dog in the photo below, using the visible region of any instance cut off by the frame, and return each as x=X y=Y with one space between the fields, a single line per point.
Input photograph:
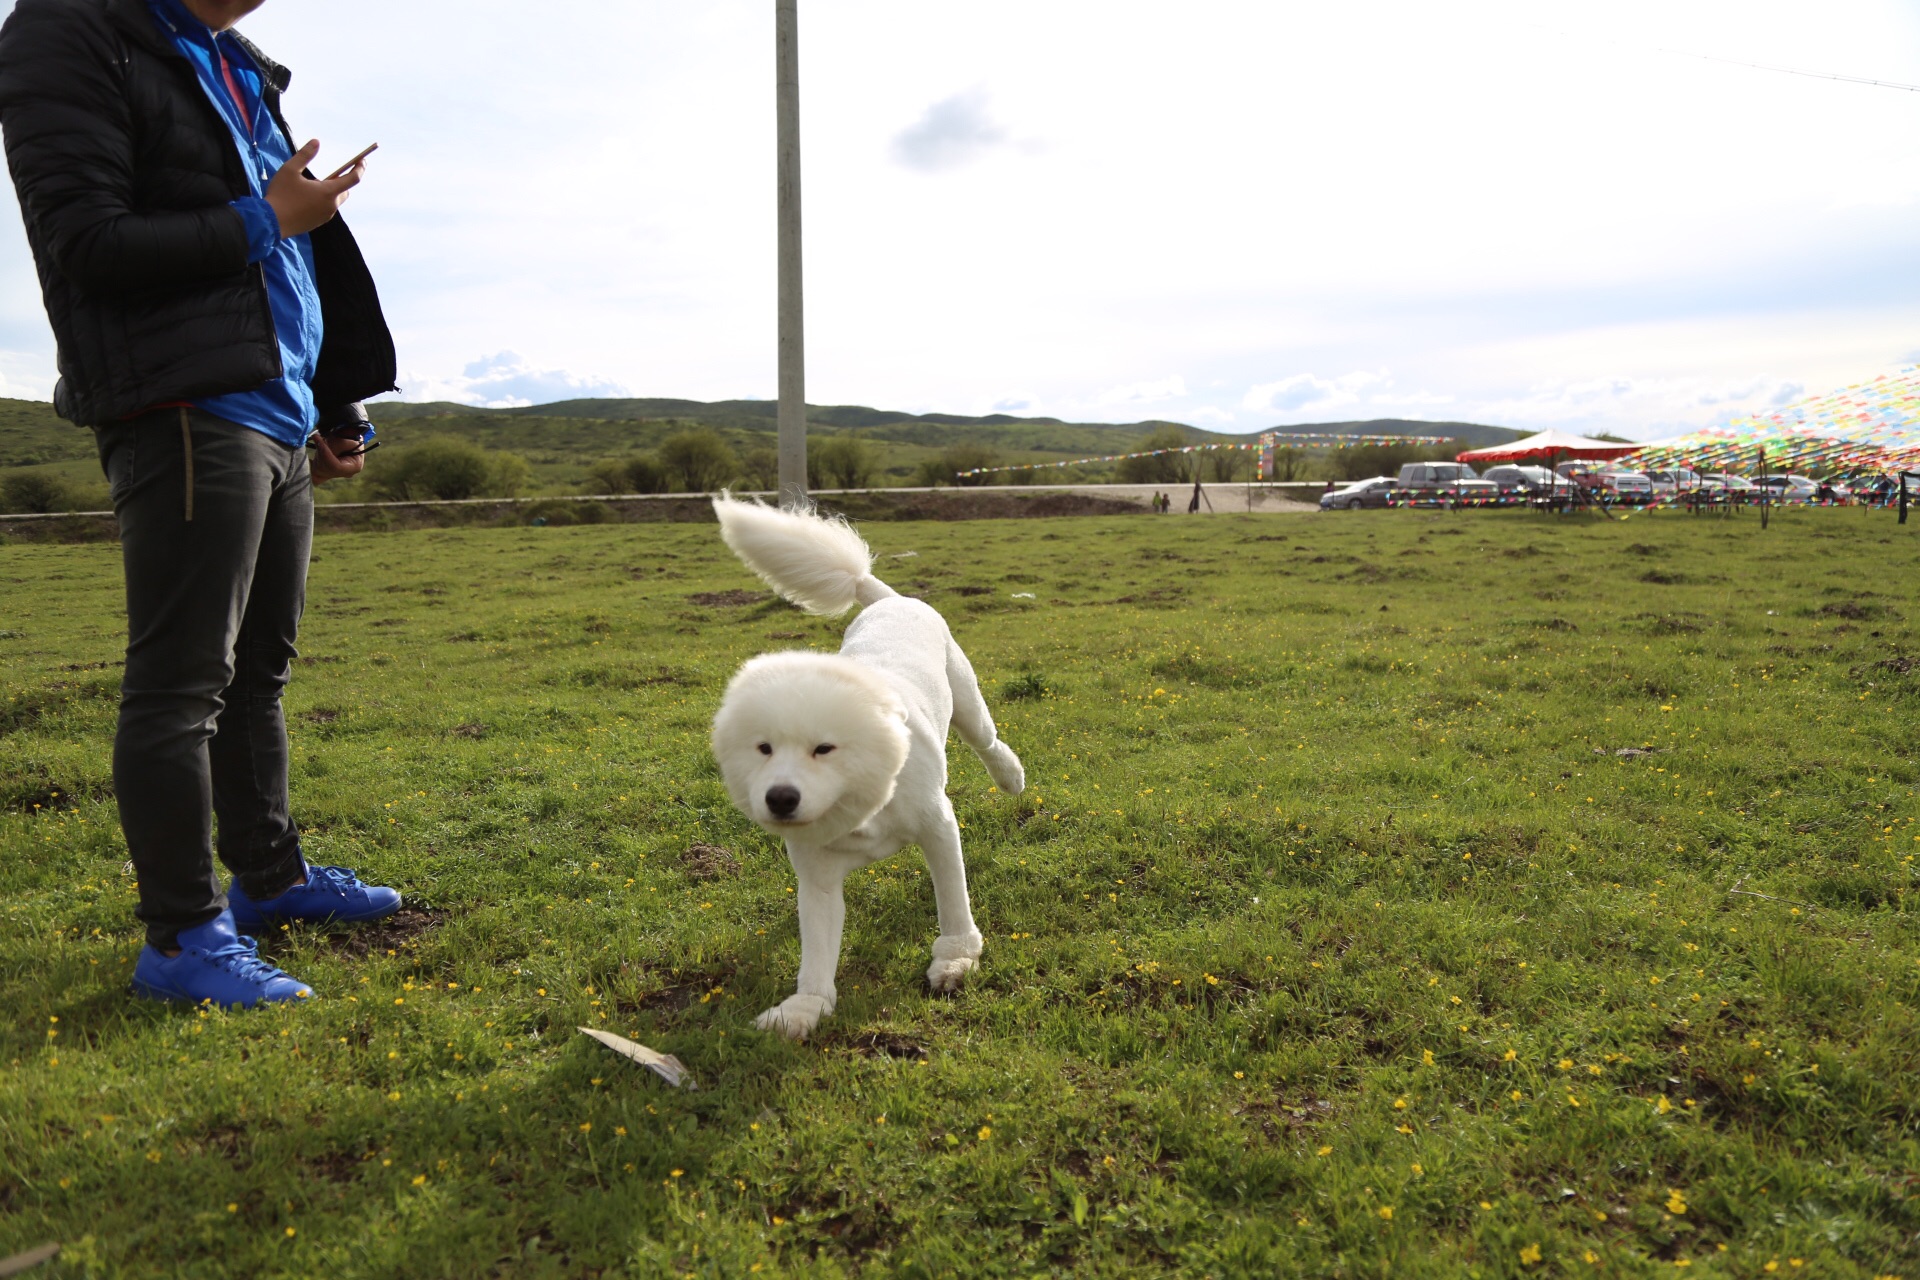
x=844 y=756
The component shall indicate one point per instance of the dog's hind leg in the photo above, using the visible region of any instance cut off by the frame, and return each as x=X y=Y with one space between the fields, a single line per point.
x=823 y=914
x=974 y=723
x=959 y=943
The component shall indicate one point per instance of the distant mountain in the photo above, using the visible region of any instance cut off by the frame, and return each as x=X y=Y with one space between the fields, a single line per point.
x=1472 y=434
x=933 y=429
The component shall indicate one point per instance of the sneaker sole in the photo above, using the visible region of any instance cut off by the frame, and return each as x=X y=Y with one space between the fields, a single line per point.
x=147 y=991
x=255 y=921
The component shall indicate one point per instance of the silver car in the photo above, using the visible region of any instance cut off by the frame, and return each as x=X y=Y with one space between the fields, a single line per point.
x=1361 y=493
x=1627 y=486
x=1669 y=482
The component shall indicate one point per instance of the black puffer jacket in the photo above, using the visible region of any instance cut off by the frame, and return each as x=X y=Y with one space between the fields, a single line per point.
x=125 y=172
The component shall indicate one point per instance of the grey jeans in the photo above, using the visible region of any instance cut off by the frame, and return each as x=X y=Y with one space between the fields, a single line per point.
x=216 y=521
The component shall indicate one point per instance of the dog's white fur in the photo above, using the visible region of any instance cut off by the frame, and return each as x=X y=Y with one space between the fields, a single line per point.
x=881 y=707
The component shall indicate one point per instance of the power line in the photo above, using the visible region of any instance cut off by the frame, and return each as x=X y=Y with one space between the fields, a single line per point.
x=1734 y=62
x=1795 y=71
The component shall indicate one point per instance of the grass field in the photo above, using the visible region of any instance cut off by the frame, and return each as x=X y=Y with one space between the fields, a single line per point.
x=1334 y=936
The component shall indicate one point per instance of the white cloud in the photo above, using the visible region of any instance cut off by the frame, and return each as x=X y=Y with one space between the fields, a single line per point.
x=25 y=376
x=1172 y=387
x=1305 y=392
x=952 y=133
x=508 y=381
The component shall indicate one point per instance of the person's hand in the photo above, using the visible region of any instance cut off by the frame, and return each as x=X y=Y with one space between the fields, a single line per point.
x=302 y=203
x=326 y=463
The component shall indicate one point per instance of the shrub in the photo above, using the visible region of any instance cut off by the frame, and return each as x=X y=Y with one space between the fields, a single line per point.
x=1166 y=468
x=1362 y=461
x=847 y=461
x=1224 y=466
x=636 y=473
x=34 y=493
x=761 y=468
x=448 y=468
x=609 y=475
x=699 y=459
x=507 y=475
x=946 y=468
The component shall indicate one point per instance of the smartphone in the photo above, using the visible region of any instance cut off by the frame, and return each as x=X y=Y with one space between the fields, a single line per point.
x=341 y=171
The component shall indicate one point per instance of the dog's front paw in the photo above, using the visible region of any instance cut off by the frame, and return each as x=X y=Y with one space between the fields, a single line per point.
x=1005 y=769
x=953 y=959
x=796 y=1016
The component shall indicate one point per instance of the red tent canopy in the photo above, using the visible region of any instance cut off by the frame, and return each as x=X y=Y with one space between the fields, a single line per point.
x=1548 y=446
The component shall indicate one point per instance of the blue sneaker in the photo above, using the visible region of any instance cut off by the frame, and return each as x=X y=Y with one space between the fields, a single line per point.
x=215 y=963
x=328 y=894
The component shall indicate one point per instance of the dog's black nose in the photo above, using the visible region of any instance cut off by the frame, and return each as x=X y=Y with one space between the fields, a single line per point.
x=782 y=801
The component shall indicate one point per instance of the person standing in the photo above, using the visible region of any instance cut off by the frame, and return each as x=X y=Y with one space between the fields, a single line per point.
x=214 y=320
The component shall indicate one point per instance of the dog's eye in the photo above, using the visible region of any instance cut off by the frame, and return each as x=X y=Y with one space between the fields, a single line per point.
x=766 y=748
x=823 y=749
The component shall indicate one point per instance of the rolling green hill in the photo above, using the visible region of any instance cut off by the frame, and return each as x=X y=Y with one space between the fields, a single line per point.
x=563 y=440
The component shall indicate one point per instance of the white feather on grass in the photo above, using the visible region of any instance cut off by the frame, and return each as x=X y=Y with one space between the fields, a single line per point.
x=664 y=1065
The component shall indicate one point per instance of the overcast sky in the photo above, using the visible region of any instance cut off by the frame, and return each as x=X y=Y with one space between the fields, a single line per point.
x=1233 y=213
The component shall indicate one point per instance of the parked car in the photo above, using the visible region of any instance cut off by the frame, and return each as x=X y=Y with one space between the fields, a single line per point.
x=1788 y=488
x=1375 y=492
x=1535 y=482
x=1627 y=486
x=1877 y=490
x=1722 y=487
x=1585 y=475
x=1432 y=479
x=1676 y=480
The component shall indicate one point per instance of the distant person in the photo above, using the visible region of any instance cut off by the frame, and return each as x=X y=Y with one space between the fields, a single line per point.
x=1193 y=504
x=187 y=261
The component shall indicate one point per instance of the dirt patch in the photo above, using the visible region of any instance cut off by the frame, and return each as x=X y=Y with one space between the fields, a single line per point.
x=1661 y=577
x=333 y=1166
x=1158 y=596
x=709 y=862
x=882 y=1044
x=43 y=799
x=729 y=599
x=1629 y=753
x=401 y=929
x=1853 y=609
x=474 y=730
x=1670 y=624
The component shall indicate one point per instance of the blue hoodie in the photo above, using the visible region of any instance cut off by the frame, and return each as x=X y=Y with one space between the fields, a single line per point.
x=283 y=408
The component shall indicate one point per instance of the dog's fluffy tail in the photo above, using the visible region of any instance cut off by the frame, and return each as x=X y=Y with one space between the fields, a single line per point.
x=816 y=561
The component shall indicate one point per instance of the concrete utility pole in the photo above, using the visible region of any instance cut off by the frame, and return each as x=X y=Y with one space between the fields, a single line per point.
x=793 y=353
